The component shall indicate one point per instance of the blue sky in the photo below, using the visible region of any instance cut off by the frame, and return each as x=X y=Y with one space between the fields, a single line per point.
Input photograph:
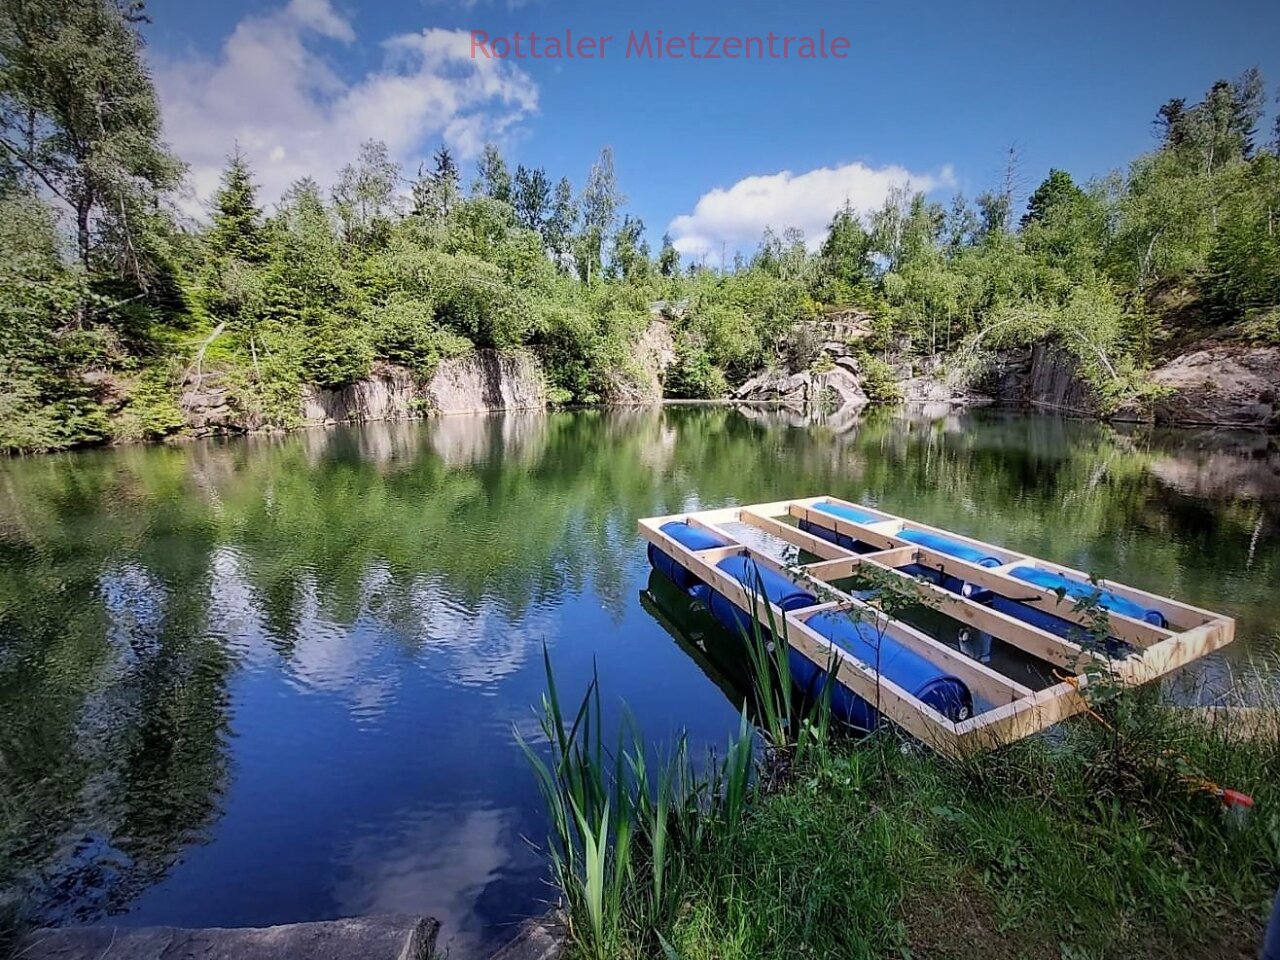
x=931 y=92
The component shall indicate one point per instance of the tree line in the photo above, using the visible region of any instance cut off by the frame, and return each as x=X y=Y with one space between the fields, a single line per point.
x=115 y=308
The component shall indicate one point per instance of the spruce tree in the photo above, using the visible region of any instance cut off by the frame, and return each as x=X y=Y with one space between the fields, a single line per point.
x=237 y=219
x=494 y=179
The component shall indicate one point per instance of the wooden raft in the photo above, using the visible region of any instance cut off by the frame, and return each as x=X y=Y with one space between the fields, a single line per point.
x=1017 y=711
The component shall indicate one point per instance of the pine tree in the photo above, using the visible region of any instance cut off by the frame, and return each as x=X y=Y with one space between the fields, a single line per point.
x=1057 y=192
x=844 y=260
x=237 y=219
x=668 y=258
x=494 y=179
x=531 y=194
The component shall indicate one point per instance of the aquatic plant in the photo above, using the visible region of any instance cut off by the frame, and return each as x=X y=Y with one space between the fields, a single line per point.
x=618 y=839
x=1101 y=838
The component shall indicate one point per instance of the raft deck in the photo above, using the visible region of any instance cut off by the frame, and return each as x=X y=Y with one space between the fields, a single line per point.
x=965 y=579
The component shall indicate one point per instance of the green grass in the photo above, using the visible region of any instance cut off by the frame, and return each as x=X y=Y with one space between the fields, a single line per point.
x=1092 y=842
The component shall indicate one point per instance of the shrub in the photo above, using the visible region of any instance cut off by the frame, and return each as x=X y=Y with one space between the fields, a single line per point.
x=692 y=376
x=878 y=380
x=336 y=351
x=152 y=410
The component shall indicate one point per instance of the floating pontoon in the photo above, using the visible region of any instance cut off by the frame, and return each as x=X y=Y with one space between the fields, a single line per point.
x=1080 y=629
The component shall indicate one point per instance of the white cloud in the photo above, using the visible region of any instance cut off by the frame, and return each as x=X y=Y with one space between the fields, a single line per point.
x=273 y=89
x=738 y=215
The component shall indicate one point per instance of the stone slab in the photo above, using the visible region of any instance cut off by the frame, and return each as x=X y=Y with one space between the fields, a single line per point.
x=540 y=939
x=390 y=937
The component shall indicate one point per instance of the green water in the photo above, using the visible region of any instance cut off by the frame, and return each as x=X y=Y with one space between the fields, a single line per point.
x=277 y=679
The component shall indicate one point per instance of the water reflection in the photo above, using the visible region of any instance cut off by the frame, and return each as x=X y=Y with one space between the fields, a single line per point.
x=275 y=679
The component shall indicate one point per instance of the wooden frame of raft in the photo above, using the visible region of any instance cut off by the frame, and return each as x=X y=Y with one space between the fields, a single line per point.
x=1016 y=711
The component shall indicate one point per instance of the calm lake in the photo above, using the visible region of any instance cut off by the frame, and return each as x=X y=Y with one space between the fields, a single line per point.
x=279 y=679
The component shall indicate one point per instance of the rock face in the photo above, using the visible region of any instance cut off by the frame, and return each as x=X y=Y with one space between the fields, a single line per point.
x=388 y=393
x=487 y=380
x=208 y=405
x=837 y=387
x=934 y=383
x=655 y=352
x=1042 y=376
x=481 y=381
x=371 y=938
x=1223 y=385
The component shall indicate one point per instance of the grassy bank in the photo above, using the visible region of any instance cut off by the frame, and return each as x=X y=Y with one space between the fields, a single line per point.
x=1098 y=840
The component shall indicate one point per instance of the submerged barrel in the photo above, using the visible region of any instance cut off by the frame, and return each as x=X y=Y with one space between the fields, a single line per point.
x=924 y=680
x=1073 y=590
x=695 y=538
x=770 y=586
x=842 y=512
x=952 y=548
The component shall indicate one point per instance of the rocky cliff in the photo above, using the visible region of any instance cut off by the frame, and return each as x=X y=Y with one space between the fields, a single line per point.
x=1042 y=376
x=1222 y=384
x=838 y=386
x=478 y=382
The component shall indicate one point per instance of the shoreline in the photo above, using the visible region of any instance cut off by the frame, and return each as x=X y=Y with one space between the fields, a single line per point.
x=957 y=404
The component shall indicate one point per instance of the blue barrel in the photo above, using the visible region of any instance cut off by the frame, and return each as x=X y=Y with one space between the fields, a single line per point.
x=1075 y=589
x=952 y=548
x=695 y=538
x=851 y=514
x=947 y=694
x=772 y=587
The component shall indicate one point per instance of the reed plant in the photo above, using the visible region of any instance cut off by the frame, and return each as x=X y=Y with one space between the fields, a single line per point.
x=622 y=828
x=1103 y=838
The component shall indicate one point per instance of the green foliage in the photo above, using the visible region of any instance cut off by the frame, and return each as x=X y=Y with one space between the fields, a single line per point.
x=336 y=352
x=877 y=379
x=152 y=410
x=877 y=848
x=337 y=279
x=236 y=232
x=619 y=841
x=845 y=268
x=1243 y=275
x=693 y=375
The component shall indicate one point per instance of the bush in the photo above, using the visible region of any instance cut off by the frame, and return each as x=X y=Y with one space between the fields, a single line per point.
x=693 y=376
x=404 y=331
x=152 y=410
x=336 y=352
x=878 y=380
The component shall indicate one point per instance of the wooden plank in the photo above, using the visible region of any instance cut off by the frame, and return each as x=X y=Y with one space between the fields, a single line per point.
x=1022 y=718
x=1030 y=639
x=805 y=613
x=1177 y=651
x=829 y=570
x=795 y=536
x=866 y=534
x=894 y=703
x=1138 y=632
x=993 y=686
